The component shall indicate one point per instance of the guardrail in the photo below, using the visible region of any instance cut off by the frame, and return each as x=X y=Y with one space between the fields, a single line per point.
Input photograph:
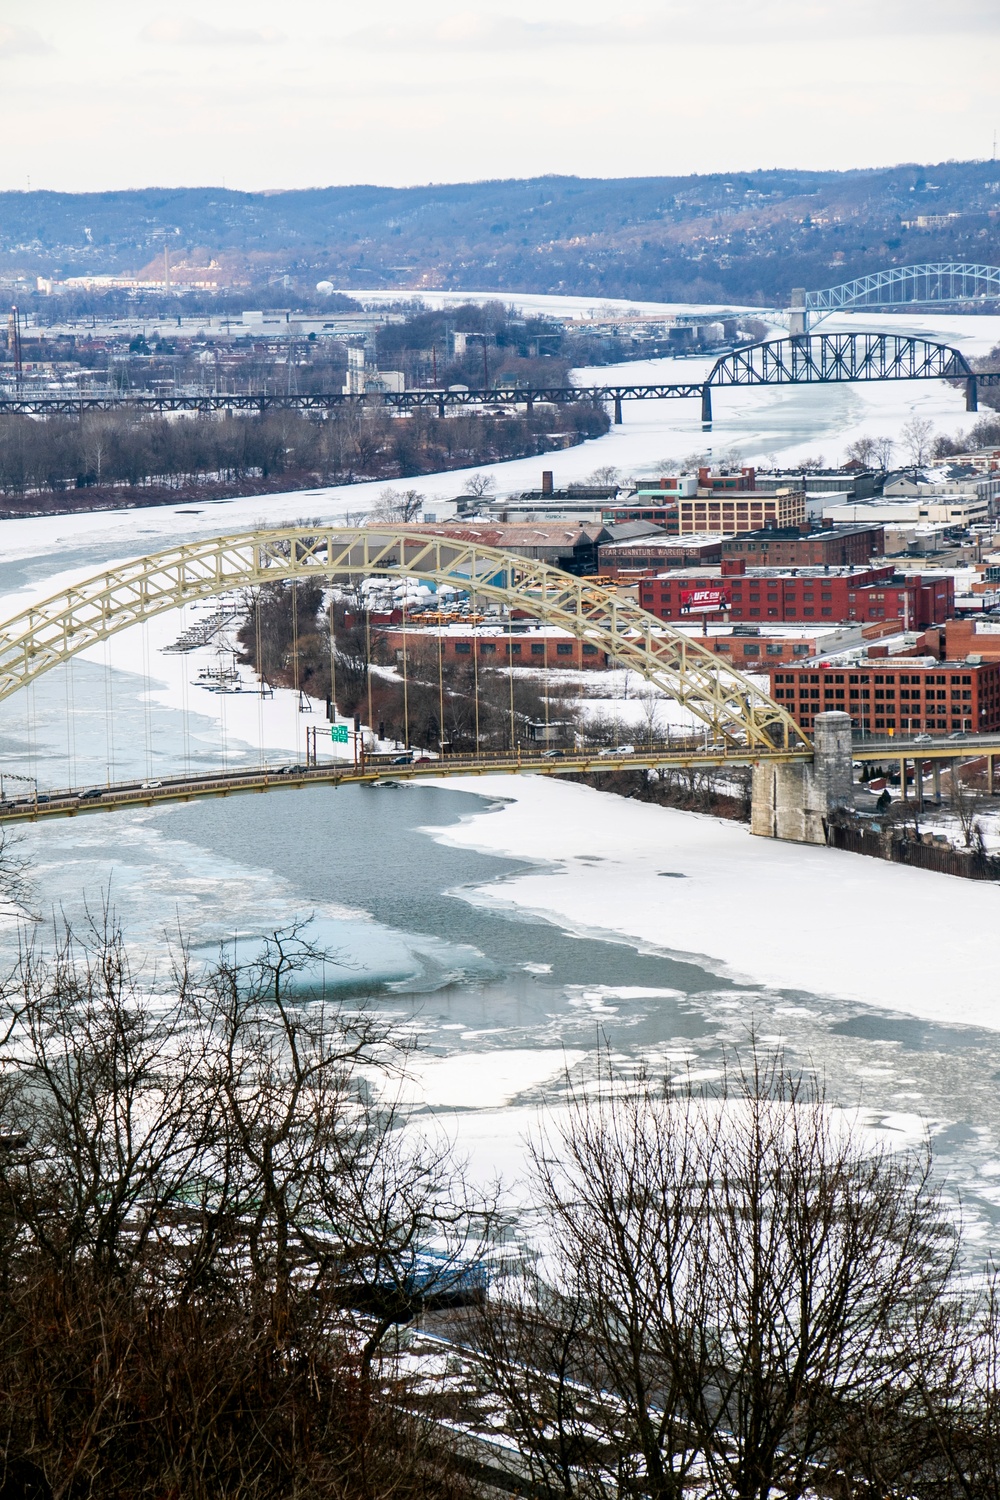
x=72 y=802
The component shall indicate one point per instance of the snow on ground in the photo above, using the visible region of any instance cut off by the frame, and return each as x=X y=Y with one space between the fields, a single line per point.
x=480 y=1080
x=779 y=914
x=541 y=303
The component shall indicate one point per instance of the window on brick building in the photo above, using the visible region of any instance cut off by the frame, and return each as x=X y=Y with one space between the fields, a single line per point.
x=564 y=648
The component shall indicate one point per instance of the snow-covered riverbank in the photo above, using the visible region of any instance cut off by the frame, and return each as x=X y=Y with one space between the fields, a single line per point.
x=783 y=915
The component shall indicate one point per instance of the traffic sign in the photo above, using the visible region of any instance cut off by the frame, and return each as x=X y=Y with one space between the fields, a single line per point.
x=338 y=734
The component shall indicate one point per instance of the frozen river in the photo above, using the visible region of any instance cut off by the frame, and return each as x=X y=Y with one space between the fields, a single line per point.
x=512 y=934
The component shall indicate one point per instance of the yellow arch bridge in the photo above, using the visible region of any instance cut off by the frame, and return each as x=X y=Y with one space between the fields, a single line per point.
x=742 y=724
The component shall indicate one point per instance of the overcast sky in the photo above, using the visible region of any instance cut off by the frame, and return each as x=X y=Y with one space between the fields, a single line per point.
x=127 y=93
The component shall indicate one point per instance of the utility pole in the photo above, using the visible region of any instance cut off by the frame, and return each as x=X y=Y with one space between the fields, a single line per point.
x=14 y=344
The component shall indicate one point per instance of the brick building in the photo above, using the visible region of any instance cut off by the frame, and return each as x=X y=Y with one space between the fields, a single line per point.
x=733 y=510
x=650 y=554
x=791 y=548
x=498 y=647
x=805 y=595
x=960 y=638
x=898 y=693
x=758 y=653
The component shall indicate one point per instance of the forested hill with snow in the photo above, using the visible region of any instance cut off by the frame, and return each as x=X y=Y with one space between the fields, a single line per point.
x=747 y=237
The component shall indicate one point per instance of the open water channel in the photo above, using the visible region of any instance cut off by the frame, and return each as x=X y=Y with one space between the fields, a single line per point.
x=501 y=1003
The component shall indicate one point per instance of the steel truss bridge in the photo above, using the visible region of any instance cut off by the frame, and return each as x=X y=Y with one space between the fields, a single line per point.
x=808 y=359
x=743 y=724
x=73 y=801
x=944 y=282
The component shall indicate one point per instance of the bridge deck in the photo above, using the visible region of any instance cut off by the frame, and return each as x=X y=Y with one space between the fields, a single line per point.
x=70 y=803
x=938 y=748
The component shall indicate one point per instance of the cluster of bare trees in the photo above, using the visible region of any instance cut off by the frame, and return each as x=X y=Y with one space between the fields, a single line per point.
x=983 y=434
x=417 y=697
x=126 y=449
x=742 y=1295
x=213 y=1217
x=209 y=1222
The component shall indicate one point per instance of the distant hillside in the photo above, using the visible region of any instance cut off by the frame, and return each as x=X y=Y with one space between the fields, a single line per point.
x=746 y=237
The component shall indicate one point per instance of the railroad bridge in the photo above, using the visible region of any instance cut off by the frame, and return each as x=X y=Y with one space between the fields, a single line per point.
x=804 y=359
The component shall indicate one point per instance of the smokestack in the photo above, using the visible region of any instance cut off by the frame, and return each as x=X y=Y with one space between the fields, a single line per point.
x=546 y=481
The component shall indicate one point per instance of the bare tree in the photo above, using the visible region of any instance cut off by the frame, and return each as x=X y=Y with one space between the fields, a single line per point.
x=731 y=1277
x=963 y=802
x=480 y=484
x=209 y=1219
x=652 y=712
x=916 y=436
x=961 y=1397
x=883 y=451
x=862 y=451
x=397 y=506
x=17 y=896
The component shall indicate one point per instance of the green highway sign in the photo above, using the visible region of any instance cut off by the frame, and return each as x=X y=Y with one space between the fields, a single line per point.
x=338 y=734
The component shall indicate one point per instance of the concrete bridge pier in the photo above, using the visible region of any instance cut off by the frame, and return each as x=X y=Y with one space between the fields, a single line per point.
x=972 y=394
x=794 y=801
x=706 y=406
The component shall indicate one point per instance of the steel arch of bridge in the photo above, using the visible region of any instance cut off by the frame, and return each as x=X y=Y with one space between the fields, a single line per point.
x=941 y=281
x=833 y=357
x=55 y=630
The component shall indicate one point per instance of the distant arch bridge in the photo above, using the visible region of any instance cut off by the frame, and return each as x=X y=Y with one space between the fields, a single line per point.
x=947 y=283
